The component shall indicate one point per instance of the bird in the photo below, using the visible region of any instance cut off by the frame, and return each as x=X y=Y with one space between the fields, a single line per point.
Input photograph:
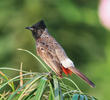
x=53 y=54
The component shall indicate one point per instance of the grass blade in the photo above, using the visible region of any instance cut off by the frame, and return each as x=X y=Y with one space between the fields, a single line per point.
x=12 y=69
x=13 y=79
x=33 y=79
x=56 y=88
x=92 y=98
x=75 y=97
x=41 y=87
x=85 y=97
x=11 y=84
x=29 y=85
x=74 y=84
x=51 y=95
x=81 y=97
x=35 y=58
x=30 y=95
x=61 y=95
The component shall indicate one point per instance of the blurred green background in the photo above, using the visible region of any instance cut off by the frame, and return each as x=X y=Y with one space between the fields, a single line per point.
x=75 y=25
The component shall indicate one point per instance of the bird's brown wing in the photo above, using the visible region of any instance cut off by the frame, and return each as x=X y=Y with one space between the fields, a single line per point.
x=50 y=59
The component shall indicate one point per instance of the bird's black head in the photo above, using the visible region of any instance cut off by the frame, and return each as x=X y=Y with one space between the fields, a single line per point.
x=37 y=29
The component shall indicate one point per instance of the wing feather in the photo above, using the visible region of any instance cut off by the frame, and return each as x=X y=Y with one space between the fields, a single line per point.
x=50 y=59
x=65 y=61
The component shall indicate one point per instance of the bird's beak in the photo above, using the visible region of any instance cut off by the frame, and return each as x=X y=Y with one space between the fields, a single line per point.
x=29 y=28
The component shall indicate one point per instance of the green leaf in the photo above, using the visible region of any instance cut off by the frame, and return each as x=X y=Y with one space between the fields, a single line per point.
x=33 y=79
x=92 y=98
x=13 y=79
x=12 y=69
x=61 y=95
x=35 y=58
x=11 y=84
x=75 y=97
x=51 y=95
x=30 y=95
x=85 y=97
x=81 y=97
x=27 y=87
x=74 y=84
x=56 y=88
x=41 y=87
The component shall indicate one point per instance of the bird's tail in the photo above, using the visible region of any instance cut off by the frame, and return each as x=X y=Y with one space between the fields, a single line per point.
x=82 y=76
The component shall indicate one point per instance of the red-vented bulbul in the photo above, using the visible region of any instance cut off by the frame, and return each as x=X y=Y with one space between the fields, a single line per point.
x=52 y=53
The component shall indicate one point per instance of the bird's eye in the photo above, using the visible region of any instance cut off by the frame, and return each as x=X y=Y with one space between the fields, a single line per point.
x=33 y=27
